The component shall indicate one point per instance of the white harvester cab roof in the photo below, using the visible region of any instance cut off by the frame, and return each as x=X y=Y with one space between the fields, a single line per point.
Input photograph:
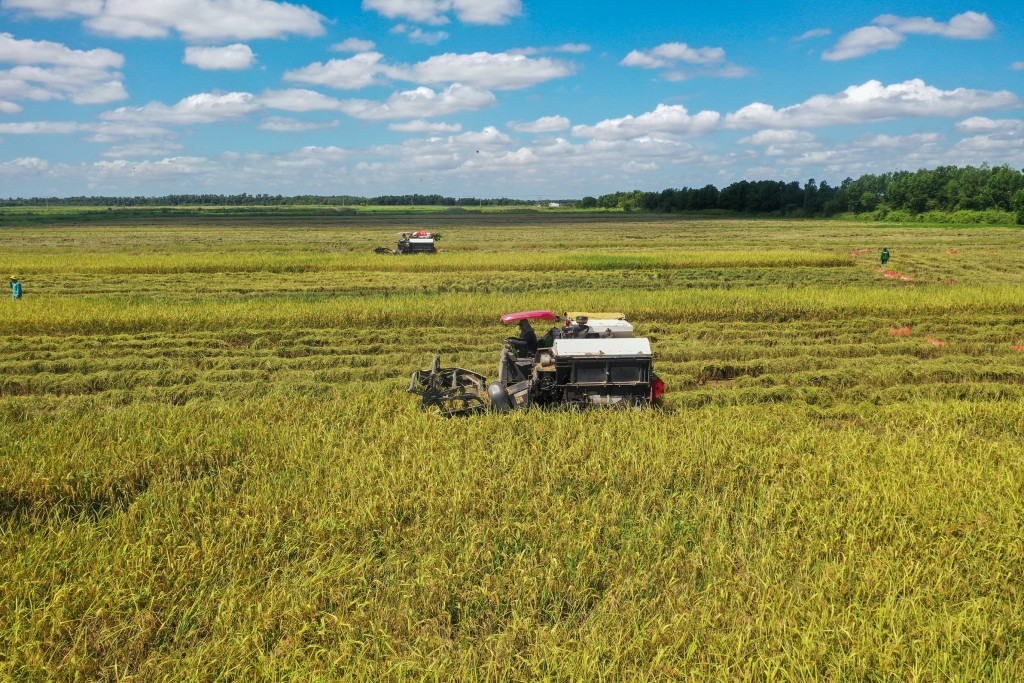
x=602 y=348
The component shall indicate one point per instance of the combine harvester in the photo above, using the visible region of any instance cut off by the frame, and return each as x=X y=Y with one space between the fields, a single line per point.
x=418 y=242
x=590 y=360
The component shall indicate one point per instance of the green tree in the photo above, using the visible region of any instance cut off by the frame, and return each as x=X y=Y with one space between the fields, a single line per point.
x=1018 y=205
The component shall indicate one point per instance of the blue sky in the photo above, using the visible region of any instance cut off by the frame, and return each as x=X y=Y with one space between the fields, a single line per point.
x=516 y=98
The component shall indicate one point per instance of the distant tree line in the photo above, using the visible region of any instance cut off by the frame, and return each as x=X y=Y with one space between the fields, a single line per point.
x=969 y=193
x=246 y=199
x=947 y=190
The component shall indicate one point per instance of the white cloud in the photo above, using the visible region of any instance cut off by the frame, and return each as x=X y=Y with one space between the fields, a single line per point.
x=193 y=19
x=498 y=71
x=778 y=143
x=236 y=57
x=109 y=131
x=669 y=54
x=436 y=11
x=298 y=99
x=724 y=71
x=418 y=35
x=889 y=31
x=51 y=71
x=421 y=126
x=666 y=119
x=966 y=26
x=890 y=142
x=24 y=165
x=571 y=48
x=40 y=128
x=421 y=102
x=139 y=150
x=981 y=124
x=991 y=148
x=100 y=131
x=813 y=33
x=215 y=107
x=359 y=71
x=545 y=124
x=864 y=41
x=199 y=108
x=774 y=137
x=683 y=62
x=872 y=102
x=1017 y=66
x=14 y=51
x=284 y=124
x=354 y=45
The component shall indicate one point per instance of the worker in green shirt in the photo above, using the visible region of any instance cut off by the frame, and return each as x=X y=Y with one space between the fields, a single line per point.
x=885 y=255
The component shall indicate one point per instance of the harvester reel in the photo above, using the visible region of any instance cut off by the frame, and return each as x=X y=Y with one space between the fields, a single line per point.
x=450 y=392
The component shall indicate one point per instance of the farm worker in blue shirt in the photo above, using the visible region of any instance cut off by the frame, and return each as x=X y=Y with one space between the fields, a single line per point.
x=15 y=288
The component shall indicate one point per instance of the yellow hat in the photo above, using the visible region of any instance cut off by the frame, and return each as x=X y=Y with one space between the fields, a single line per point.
x=13 y=277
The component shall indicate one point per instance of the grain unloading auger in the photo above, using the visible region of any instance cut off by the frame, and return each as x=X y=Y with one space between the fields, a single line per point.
x=589 y=360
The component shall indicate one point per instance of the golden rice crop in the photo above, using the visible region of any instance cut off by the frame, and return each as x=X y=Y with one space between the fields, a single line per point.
x=209 y=468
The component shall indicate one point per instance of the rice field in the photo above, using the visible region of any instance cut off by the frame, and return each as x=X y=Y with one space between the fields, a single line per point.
x=210 y=469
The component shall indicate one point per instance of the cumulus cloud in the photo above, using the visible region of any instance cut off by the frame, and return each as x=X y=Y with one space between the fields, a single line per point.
x=889 y=31
x=40 y=128
x=682 y=61
x=46 y=70
x=421 y=102
x=889 y=142
x=100 y=131
x=665 y=119
x=298 y=100
x=23 y=166
x=545 y=124
x=354 y=45
x=864 y=41
x=1017 y=66
x=421 y=126
x=492 y=71
x=779 y=143
x=14 y=51
x=204 y=108
x=199 y=108
x=284 y=124
x=359 y=71
x=982 y=124
x=872 y=102
x=418 y=35
x=775 y=137
x=194 y=19
x=436 y=11
x=813 y=33
x=570 y=48
x=237 y=57
x=139 y=150
x=990 y=148
x=966 y=26
x=497 y=71
x=669 y=54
